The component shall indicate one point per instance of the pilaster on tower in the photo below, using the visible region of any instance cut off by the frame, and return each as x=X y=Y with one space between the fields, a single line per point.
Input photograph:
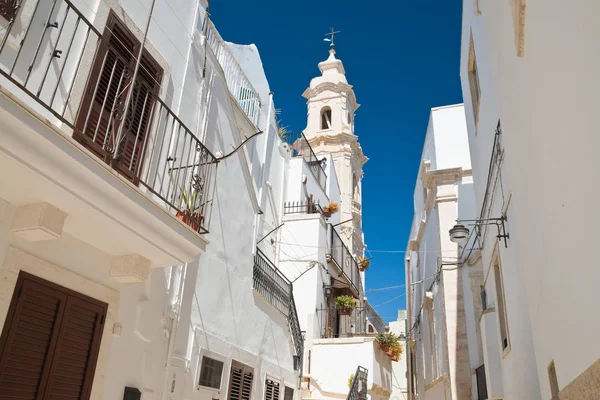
x=330 y=130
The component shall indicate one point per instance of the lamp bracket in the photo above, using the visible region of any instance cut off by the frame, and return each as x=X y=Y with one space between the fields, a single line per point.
x=499 y=222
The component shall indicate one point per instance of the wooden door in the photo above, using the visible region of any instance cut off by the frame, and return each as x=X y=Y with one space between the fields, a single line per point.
x=50 y=342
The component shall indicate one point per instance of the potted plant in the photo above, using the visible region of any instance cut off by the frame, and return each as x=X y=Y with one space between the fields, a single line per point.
x=188 y=214
x=364 y=263
x=331 y=209
x=350 y=380
x=345 y=304
x=397 y=350
x=387 y=341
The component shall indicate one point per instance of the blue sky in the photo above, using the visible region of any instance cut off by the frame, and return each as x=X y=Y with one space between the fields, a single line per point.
x=401 y=56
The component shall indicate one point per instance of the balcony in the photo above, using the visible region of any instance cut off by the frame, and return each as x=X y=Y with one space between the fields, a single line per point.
x=332 y=324
x=277 y=290
x=237 y=82
x=301 y=148
x=342 y=258
x=302 y=207
x=60 y=74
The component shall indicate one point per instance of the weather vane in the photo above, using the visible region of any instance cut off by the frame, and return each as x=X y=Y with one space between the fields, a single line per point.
x=331 y=37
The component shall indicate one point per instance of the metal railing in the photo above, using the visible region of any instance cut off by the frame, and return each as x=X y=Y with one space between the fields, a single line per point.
x=334 y=324
x=237 y=82
x=302 y=207
x=358 y=390
x=340 y=254
x=271 y=284
x=301 y=148
x=50 y=52
x=294 y=323
x=277 y=290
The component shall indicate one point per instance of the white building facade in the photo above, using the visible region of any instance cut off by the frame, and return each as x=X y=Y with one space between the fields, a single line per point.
x=399 y=371
x=128 y=224
x=444 y=306
x=529 y=87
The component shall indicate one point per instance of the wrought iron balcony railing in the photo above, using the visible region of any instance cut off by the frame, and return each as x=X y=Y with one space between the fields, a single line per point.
x=277 y=290
x=358 y=390
x=302 y=207
x=334 y=323
x=237 y=82
x=89 y=84
x=301 y=148
x=340 y=254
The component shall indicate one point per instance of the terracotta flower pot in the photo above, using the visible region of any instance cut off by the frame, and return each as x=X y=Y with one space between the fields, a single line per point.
x=193 y=220
x=344 y=311
x=395 y=358
x=326 y=212
x=385 y=347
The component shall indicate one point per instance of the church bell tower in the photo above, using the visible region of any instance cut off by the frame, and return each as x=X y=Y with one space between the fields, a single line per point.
x=330 y=130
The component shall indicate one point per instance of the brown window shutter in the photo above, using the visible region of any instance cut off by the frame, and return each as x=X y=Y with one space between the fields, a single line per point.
x=271 y=390
x=102 y=107
x=50 y=342
x=240 y=381
x=8 y=9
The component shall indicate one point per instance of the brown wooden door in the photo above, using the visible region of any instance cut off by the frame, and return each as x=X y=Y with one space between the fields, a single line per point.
x=50 y=342
x=103 y=106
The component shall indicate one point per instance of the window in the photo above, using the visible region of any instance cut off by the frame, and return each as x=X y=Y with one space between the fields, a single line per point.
x=8 y=9
x=50 y=333
x=326 y=118
x=289 y=393
x=500 y=305
x=240 y=381
x=482 y=393
x=103 y=105
x=474 y=82
x=210 y=373
x=349 y=118
x=271 y=389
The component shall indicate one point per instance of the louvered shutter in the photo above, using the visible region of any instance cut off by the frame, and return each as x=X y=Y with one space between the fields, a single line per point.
x=28 y=338
x=240 y=382
x=271 y=390
x=50 y=342
x=74 y=361
x=102 y=109
x=8 y=9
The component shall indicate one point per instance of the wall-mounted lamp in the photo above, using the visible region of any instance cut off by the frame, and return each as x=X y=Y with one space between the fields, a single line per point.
x=328 y=290
x=460 y=233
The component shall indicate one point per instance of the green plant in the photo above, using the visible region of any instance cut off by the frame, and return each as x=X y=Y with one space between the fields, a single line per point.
x=397 y=350
x=387 y=339
x=350 y=380
x=345 y=302
x=364 y=263
x=189 y=199
x=282 y=130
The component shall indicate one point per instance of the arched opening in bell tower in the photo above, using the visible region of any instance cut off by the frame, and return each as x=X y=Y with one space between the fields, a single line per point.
x=325 y=118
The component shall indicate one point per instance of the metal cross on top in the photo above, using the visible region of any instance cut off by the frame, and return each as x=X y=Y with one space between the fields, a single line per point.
x=331 y=37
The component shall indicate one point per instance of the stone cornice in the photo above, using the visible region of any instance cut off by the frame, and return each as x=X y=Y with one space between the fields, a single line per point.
x=345 y=142
x=340 y=87
x=434 y=178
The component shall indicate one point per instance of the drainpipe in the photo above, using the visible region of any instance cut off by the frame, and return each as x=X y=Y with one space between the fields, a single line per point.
x=174 y=319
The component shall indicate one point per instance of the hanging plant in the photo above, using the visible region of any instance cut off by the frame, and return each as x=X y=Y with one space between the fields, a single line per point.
x=397 y=351
x=345 y=304
x=364 y=263
x=350 y=380
x=332 y=208
x=387 y=341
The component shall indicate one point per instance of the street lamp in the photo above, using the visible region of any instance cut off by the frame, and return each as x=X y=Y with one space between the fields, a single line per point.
x=459 y=234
